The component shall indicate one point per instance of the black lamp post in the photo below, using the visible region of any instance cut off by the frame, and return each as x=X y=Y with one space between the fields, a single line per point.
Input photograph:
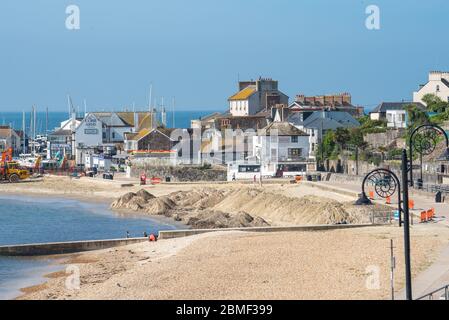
x=386 y=183
x=426 y=146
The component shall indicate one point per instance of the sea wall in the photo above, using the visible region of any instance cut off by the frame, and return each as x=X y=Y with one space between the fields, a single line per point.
x=44 y=249
x=178 y=173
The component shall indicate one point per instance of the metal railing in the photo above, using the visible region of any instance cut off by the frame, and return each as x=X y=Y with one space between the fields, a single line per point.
x=386 y=217
x=433 y=188
x=441 y=294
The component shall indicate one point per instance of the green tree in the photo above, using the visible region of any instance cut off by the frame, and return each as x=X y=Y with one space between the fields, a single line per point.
x=416 y=116
x=327 y=147
x=342 y=137
x=434 y=103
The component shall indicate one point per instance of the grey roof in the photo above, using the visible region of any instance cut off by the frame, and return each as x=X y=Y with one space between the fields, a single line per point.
x=385 y=106
x=327 y=124
x=61 y=132
x=327 y=120
x=281 y=129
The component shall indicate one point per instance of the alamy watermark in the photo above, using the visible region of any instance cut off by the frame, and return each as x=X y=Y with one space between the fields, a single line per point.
x=73 y=281
x=72 y=21
x=373 y=277
x=372 y=22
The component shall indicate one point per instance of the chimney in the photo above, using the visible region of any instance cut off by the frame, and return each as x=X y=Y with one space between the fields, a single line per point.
x=346 y=98
x=136 y=122
x=299 y=98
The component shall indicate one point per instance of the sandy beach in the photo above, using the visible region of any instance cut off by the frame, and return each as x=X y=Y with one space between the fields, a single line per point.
x=235 y=265
x=242 y=265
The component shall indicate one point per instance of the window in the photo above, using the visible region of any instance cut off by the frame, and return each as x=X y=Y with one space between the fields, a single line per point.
x=294 y=152
x=104 y=135
x=294 y=139
x=249 y=168
x=313 y=146
x=113 y=135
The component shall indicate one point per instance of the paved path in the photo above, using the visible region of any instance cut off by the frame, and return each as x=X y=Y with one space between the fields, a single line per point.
x=437 y=275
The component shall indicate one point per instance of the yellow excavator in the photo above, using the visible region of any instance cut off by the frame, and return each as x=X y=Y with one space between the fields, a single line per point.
x=10 y=170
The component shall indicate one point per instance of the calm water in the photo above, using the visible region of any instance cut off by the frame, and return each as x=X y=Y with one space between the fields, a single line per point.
x=182 y=119
x=35 y=220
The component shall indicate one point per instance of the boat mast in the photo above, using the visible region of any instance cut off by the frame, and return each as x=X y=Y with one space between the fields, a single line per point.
x=46 y=120
x=151 y=98
x=23 y=133
x=173 y=113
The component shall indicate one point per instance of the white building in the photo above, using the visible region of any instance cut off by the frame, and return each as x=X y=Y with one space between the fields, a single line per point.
x=256 y=96
x=282 y=149
x=438 y=85
x=395 y=113
x=107 y=130
x=397 y=119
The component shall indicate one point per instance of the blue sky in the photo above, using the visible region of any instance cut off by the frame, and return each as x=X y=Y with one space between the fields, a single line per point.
x=196 y=50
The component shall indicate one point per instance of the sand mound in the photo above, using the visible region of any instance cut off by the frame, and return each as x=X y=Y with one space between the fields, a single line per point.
x=217 y=219
x=159 y=206
x=145 y=195
x=245 y=207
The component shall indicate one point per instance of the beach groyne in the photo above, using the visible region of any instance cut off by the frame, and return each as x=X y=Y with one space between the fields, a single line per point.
x=55 y=248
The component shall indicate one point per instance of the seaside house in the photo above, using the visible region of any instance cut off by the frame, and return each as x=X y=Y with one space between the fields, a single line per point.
x=394 y=113
x=438 y=84
x=104 y=132
x=282 y=149
x=162 y=146
x=334 y=102
x=256 y=96
x=9 y=138
x=317 y=123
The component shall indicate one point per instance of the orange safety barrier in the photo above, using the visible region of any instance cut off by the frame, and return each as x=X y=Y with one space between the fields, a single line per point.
x=411 y=204
x=156 y=180
x=371 y=195
x=423 y=216
x=428 y=215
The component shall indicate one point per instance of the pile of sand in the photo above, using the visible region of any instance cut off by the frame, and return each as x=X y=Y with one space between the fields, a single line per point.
x=244 y=207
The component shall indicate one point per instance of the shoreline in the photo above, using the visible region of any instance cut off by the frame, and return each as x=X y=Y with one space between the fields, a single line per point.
x=32 y=271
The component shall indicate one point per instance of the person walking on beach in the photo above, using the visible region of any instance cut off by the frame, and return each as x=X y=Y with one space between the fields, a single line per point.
x=260 y=179
x=127 y=235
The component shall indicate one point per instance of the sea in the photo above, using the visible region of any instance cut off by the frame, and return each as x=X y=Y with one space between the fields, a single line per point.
x=44 y=124
x=38 y=219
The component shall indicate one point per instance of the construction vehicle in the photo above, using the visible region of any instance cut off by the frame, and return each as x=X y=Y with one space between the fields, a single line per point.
x=10 y=170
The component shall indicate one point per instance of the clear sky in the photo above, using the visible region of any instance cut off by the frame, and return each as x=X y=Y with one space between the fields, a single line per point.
x=197 y=49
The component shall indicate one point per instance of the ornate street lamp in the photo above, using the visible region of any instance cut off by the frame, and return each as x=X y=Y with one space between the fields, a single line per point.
x=386 y=183
x=424 y=140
